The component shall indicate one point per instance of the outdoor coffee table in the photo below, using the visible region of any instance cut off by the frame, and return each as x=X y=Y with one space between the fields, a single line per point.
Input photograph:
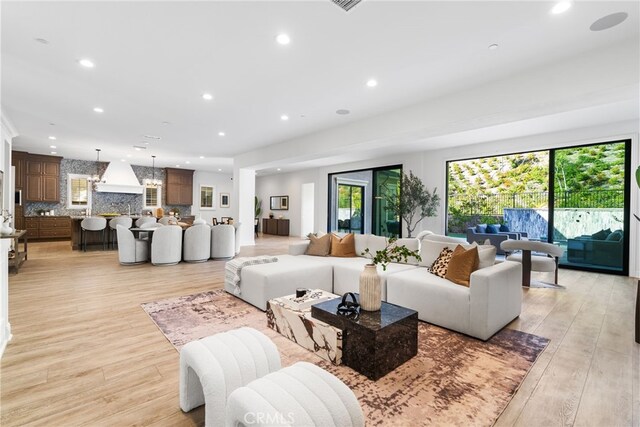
x=378 y=341
x=294 y=321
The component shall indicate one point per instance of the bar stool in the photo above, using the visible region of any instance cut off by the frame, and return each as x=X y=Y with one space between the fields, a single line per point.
x=92 y=224
x=124 y=221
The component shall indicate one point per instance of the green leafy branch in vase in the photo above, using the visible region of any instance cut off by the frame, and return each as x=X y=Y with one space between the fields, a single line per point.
x=391 y=253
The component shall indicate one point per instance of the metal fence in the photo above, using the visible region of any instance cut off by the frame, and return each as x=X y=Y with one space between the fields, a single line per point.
x=493 y=204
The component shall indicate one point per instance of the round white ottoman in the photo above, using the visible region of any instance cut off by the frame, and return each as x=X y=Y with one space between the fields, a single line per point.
x=223 y=241
x=213 y=367
x=300 y=395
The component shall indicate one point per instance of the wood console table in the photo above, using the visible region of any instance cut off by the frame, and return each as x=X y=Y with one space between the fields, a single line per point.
x=275 y=226
x=19 y=256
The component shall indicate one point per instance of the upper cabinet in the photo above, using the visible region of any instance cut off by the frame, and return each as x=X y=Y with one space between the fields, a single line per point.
x=19 y=160
x=179 y=186
x=41 y=178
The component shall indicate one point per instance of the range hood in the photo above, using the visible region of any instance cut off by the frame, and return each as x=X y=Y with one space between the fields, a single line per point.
x=119 y=178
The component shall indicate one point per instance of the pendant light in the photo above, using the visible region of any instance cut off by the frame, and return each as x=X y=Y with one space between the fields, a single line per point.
x=95 y=178
x=153 y=182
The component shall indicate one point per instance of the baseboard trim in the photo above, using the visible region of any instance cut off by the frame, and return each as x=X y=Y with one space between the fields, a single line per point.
x=6 y=338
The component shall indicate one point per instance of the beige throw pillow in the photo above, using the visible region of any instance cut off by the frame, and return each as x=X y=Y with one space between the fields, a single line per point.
x=463 y=263
x=319 y=246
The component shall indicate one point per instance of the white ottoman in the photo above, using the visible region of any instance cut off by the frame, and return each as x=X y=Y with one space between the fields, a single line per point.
x=213 y=367
x=263 y=282
x=223 y=241
x=300 y=395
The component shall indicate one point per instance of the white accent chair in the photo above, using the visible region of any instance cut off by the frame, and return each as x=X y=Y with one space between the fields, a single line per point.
x=197 y=243
x=124 y=221
x=544 y=263
x=144 y=220
x=131 y=250
x=166 y=245
x=302 y=394
x=223 y=242
x=213 y=367
x=93 y=224
x=199 y=221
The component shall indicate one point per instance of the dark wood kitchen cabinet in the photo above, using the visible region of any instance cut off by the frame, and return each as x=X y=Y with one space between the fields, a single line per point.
x=179 y=186
x=42 y=178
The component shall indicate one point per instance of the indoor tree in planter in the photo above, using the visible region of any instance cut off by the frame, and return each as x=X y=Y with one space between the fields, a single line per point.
x=370 y=293
x=414 y=203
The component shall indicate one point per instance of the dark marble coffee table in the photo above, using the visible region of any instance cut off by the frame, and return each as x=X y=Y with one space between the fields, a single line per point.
x=378 y=341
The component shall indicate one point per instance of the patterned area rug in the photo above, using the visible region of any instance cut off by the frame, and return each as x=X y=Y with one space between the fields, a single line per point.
x=454 y=379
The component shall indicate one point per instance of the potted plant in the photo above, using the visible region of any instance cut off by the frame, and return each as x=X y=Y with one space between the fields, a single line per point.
x=414 y=203
x=370 y=293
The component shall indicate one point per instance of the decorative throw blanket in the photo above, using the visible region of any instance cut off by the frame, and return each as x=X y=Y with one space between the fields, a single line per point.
x=234 y=267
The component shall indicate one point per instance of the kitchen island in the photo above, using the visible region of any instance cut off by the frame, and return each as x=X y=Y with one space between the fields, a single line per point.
x=93 y=238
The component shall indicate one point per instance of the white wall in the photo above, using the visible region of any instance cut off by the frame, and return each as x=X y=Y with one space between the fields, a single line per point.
x=223 y=184
x=7 y=133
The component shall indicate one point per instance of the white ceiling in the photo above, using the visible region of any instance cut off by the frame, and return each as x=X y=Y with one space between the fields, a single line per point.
x=154 y=60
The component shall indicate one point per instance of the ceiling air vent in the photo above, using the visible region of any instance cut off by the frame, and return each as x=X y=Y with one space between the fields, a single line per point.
x=346 y=4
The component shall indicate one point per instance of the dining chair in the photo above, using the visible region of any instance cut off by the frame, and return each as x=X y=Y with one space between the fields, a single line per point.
x=93 y=224
x=131 y=250
x=223 y=241
x=166 y=245
x=197 y=243
x=225 y=219
x=124 y=221
x=144 y=220
x=168 y=220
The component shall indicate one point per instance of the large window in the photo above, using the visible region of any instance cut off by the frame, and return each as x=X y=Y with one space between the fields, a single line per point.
x=152 y=196
x=78 y=192
x=576 y=197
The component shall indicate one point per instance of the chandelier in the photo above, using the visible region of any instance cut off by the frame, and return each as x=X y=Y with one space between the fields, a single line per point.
x=94 y=179
x=153 y=182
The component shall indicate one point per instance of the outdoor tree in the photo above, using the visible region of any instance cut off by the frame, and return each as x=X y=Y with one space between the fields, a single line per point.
x=415 y=202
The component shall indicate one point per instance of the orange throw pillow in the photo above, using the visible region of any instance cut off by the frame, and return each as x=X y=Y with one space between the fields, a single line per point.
x=343 y=247
x=463 y=263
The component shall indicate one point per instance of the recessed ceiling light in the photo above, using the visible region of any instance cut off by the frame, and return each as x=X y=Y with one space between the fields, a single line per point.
x=166 y=123
x=221 y=134
x=219 y=170
x=98 y=110
x=137 y=148
x=560 y=7
x=188 y=162
x=53 y=138
x=202 y=157
x=52 y=146
x=284 y=117
x=177 y=166
x=87 y=63
x=54 y=152
x=609 y=21
x=146 y=142
x=122 y=160
x=283 y=39
x=207 y=96
x=372 y=83
x=42 y=41
x=493 y=46
x=343 y=112
x=278 y=169
x=128 y=155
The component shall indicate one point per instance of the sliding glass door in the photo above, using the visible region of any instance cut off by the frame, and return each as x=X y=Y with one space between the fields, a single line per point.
x=590 y=212
x=576 y=197
x=350 y=204
x=386 y=186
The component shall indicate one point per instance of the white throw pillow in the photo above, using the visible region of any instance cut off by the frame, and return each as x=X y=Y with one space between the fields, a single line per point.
x=362 y=243
x=412 y=245
x=487 y=255
x=376 y=243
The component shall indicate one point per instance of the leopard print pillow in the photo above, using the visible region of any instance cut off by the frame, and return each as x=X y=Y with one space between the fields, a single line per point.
x=440 y=265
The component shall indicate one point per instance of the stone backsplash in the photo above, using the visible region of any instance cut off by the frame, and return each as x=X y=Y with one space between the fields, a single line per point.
x=101 y=202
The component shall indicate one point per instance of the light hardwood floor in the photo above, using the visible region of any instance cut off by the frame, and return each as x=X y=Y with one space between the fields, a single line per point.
x=85 y=353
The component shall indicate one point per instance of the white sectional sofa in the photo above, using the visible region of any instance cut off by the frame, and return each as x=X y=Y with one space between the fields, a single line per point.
x=492 y=300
